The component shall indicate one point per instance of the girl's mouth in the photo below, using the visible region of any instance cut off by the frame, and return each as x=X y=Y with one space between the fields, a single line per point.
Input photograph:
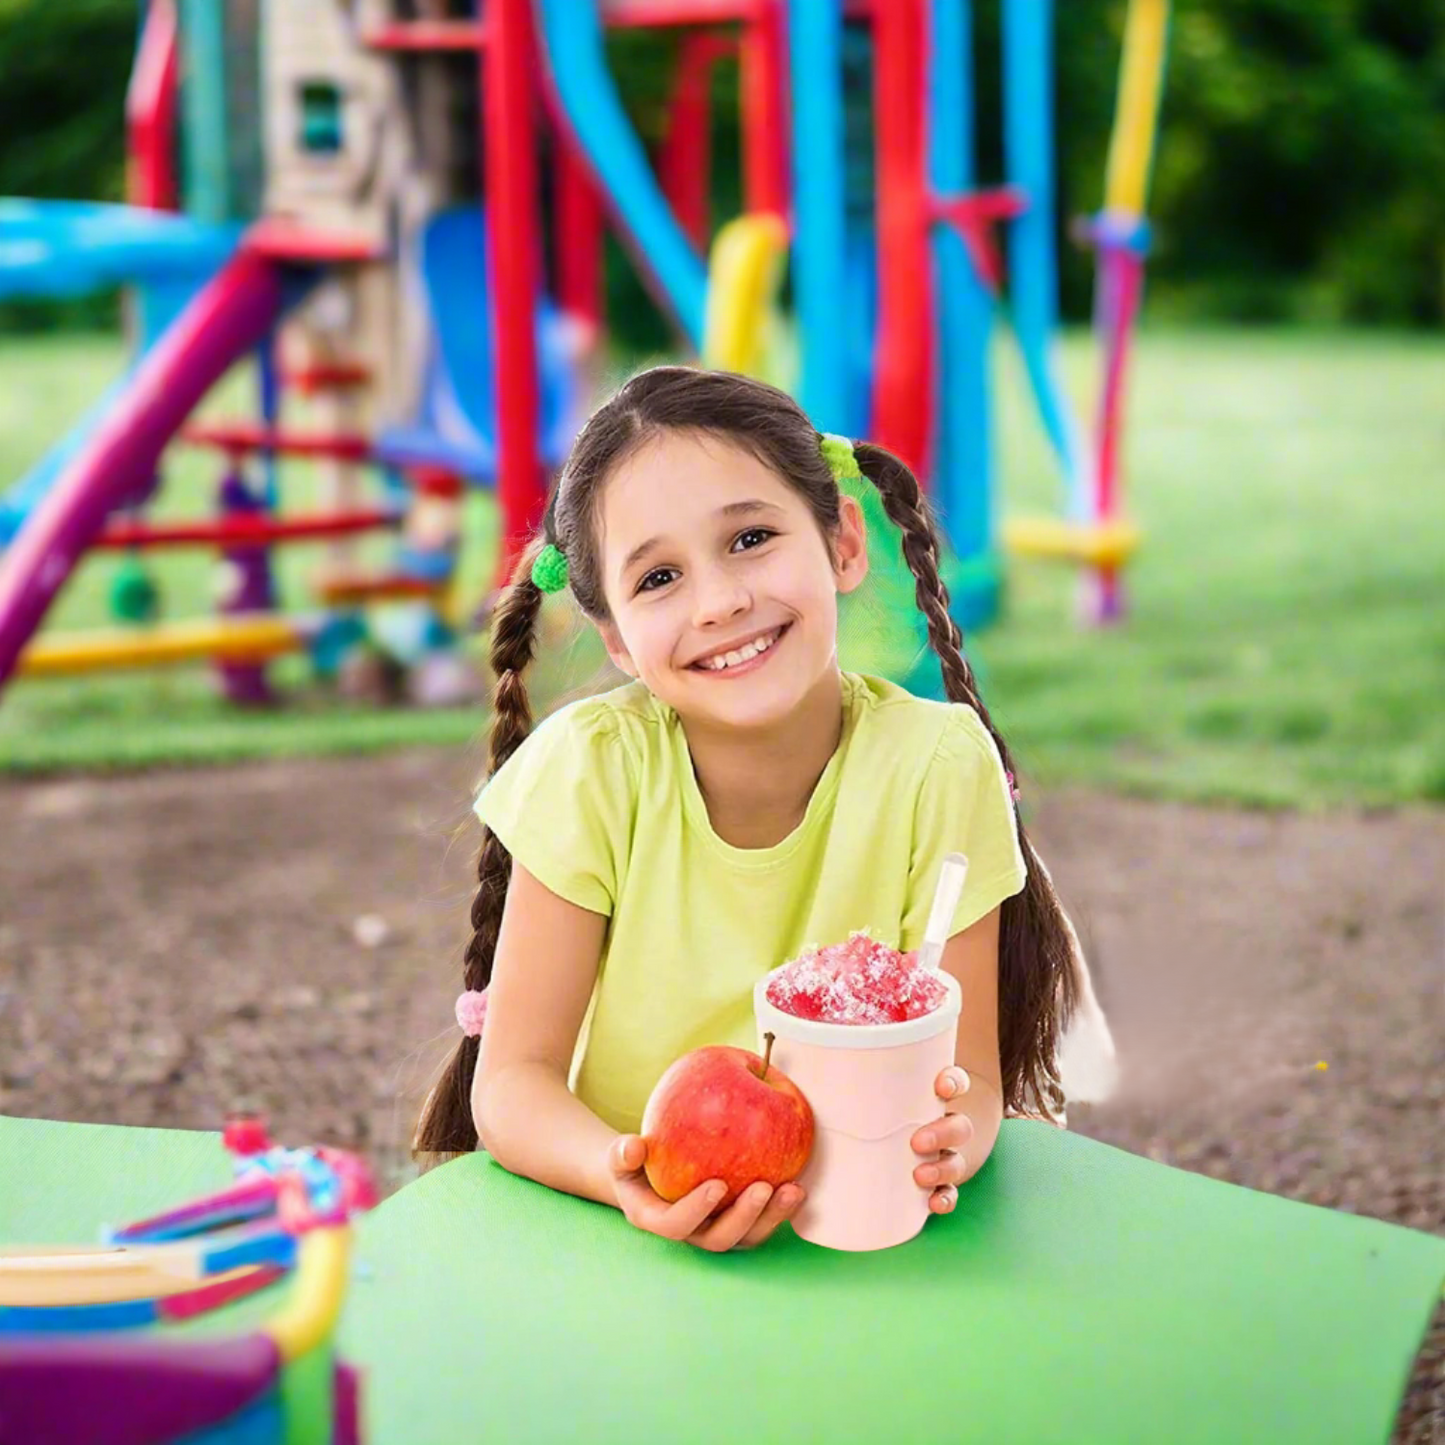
x=745 y=659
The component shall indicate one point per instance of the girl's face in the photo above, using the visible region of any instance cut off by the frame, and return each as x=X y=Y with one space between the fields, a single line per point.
x=722 y=589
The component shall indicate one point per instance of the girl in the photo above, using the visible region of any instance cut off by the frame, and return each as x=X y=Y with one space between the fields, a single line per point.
x=648 y=854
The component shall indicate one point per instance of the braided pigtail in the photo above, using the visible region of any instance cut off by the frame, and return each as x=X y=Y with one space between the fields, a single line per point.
x=1040 y=970
x=446 y=1126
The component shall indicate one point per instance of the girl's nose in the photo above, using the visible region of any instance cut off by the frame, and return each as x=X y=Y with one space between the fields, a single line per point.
x=719 y=597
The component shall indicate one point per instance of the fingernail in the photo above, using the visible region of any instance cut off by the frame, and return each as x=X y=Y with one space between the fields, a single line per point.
x=760 y=1193
x=716 y=1192
x=950 y=1086
x=928 y=1140
x=929 y=1175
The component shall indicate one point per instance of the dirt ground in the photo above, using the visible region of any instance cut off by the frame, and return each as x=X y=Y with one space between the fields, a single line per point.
x=289 y=935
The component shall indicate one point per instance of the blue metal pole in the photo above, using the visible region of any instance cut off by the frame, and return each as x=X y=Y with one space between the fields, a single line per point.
x=820 y=276
x=964 y=482
x=1033 y=263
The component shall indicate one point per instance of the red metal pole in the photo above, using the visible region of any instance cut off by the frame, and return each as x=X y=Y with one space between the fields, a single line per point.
x=150 y=107
x=766 y=124
x=903 y=387
x=654 y=14
x=508 y=141
x=579 y=231
x=685 y=164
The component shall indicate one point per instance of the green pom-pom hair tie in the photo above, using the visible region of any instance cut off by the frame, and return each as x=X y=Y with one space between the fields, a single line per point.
x=549 y=571
x=838 y=453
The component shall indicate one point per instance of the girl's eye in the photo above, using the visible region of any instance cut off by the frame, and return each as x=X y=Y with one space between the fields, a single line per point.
x=744 y=541
x=658 y=577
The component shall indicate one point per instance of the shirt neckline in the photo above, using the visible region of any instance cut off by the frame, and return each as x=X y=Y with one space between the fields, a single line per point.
x=695 y=806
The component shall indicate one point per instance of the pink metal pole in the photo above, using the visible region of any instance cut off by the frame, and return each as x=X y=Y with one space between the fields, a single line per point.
x=1125 y=272
x=221 y=324
x=509 y=145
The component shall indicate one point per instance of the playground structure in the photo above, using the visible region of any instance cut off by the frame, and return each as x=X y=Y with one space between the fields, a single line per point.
x=83 y=1350
x=359 y=216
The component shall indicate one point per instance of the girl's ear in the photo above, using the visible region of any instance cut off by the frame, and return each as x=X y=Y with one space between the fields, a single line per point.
x=850 y=546
x=616 y=650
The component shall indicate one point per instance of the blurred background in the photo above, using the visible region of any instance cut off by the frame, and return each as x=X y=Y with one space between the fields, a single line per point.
x=1297 y=184
x=1176 y=381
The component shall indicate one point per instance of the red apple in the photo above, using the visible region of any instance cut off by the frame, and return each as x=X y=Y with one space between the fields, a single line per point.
x=724 y=1113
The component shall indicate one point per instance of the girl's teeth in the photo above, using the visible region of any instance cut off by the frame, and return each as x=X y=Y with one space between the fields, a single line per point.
x=743 y=654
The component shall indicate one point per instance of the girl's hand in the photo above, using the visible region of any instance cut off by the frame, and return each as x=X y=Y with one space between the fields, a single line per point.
x=746 y=1222
x=949 y=1134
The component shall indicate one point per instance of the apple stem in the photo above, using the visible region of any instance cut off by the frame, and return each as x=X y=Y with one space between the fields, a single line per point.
x=767 y=1054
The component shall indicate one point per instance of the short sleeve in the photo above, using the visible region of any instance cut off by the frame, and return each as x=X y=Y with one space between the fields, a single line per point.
x=964 y=806
x=563 y=805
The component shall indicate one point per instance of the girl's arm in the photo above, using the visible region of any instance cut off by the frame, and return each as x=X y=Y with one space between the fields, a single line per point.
x=527 y=1118
x=532 y=1124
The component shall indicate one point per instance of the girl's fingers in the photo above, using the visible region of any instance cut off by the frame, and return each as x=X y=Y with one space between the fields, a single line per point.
x=952 y=1083
x=626 y=1154
x=949 y=1168
x=783 y=1205
x=625 y=1158
x=736 y=1220
x=689 y=1214
x=942 y=1201
x=953 y=1131
x=679 y=1220
x=637 y=1200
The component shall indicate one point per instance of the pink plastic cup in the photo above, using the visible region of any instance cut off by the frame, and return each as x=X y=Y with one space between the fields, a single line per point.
x=871 y=1088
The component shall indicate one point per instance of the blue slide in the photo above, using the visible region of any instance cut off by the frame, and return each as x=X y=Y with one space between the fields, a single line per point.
x=576 y=62
x=457 y=427
x=75 y=248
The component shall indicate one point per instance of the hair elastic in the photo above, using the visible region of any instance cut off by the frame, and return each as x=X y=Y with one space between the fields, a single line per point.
x=838 y=453
x=549 y=571
x=472 y=1012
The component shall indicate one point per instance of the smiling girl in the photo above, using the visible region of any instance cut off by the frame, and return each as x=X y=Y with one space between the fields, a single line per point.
x=649 y=854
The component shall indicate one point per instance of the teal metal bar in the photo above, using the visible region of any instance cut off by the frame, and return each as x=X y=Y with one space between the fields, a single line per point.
x=1033 y=264
x=963 y=484
x=206 y=141
x=820 y=273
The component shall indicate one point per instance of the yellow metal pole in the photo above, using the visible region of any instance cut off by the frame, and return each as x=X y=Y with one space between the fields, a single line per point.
x=1131 y=147
x=235 y=639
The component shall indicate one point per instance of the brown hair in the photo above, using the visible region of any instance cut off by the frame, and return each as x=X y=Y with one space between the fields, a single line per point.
x=1037 y=982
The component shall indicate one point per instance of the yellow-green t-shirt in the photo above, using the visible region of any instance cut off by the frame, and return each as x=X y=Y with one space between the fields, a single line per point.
x=602 y=806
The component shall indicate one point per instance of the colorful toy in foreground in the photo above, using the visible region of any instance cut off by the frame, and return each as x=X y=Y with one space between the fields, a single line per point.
x=78 y=1363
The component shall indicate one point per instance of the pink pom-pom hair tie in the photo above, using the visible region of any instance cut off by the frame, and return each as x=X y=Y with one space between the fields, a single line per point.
x=472 y=1012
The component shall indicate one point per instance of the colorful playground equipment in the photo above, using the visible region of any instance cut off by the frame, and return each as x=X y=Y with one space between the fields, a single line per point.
x=89 y=1345
x=313 y=203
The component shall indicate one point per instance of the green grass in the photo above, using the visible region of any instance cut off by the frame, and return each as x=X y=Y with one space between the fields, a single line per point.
x=1285 y=643
x=1286 y=636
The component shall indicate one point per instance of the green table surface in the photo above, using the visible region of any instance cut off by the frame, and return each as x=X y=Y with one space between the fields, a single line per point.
x=1078 y=1294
